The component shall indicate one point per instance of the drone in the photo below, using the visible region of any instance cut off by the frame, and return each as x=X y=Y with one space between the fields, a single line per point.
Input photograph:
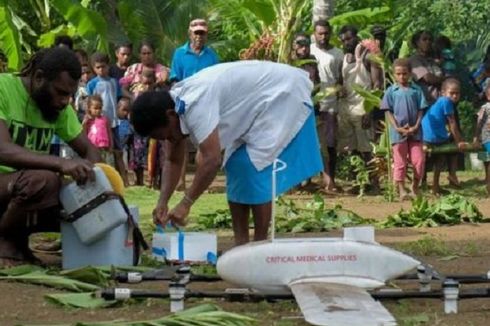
x=335 y=281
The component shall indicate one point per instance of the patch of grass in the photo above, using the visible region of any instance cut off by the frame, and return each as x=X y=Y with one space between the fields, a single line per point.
x=146 y=200
x=471 y=249
x=427 y=246
x=406 y=317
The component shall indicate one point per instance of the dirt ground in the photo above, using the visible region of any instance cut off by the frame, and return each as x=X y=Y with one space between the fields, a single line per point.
x=468 y=245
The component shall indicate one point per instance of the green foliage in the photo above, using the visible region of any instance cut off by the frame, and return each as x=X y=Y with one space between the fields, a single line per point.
x=163 y=22
x=248 y=20
x=203 y=315
x=9 y=38
x=79 y=300
x=88 y=274
x=363 y=17
x=219 y=219
x=35 y=275
x=467 y=119
x=449 y=210
x=372 y=98
x=315 y=217
x=361 y=172
x=89 y=24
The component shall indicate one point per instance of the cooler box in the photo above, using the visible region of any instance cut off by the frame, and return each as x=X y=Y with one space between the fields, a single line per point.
x=198 y=247
x=112 y=249
x=97 y=222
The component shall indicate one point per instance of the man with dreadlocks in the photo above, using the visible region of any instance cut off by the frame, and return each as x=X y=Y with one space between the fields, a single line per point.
x=34 y=105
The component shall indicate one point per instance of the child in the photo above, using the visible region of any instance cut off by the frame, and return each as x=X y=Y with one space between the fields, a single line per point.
x=482 y=133
x=404 y=103
x=434 y=124
x=125 y=131
x=147 y=83
x=444 y=55
x=81 y=95
x=97 y=126
x=109 y=90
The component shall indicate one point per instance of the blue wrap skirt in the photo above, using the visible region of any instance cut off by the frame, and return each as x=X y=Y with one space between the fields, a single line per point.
x=246 y=185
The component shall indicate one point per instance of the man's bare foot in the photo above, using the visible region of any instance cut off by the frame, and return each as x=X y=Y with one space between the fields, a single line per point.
x=454 y=182
x=404 y=196
x=10 y=255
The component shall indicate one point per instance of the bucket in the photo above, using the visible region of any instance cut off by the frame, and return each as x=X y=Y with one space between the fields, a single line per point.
x=198 y=247
x=113 y=249
x=94 y=224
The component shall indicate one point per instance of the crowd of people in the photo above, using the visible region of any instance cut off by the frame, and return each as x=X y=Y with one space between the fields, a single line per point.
x=419 y=101
x=66 y=110
x=344 y=126
x=106 y=91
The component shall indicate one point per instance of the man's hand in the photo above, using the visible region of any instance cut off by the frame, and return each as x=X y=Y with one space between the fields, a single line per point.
x=179 y=213
x=80 y=170
x=462 y=145
x=160 y=214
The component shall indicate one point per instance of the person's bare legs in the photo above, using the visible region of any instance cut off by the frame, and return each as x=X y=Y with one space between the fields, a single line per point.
x=120 y=167
x=239 y=218
x=181 y=186
x=452 y=168
x=415 y=187
x=401 y=190
x=262 y=219
x=438 y=163
x=140 y=176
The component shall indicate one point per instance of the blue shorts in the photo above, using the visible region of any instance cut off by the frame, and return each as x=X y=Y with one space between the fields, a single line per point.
x=246 y=185
x=486 y=146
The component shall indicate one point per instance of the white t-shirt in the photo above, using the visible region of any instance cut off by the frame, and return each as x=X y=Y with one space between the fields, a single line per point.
x=329 y=66
x=258 y=103
x=355 y=73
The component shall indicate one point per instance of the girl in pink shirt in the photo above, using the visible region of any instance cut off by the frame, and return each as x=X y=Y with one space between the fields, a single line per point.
x=96 y=125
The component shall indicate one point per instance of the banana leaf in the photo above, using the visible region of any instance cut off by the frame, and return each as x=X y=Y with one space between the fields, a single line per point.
x=362 y=17
x=203 y=315
x=35 y=275
x=88 y=274
x=79 y=300
x=372 y=99
x=10 y=37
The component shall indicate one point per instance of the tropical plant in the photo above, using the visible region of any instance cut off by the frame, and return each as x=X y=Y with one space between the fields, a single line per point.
x=451 y=209
x=255 y=19
x=163 y=22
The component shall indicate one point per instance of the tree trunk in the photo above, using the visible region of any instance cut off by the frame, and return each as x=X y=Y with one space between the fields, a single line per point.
x=322 y=9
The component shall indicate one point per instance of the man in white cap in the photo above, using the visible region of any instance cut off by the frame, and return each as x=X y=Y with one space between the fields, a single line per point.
x=190 y=58
x=194 y=55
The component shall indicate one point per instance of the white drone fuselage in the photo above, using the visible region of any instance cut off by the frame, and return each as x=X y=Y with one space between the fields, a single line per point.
x=271 y=266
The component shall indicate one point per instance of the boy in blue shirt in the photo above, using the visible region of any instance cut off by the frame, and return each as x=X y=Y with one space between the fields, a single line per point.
x=404 y=103
x=436 y=123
